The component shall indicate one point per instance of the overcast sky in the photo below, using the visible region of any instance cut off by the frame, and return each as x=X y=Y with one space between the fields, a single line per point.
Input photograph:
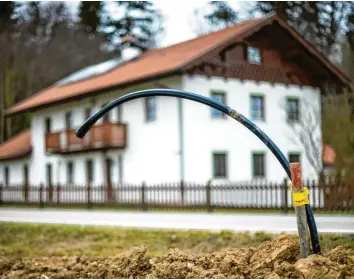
x=179 y=20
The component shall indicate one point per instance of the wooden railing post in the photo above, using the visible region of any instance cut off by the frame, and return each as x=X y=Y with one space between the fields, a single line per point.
x=182 y=192
x=58 y=193
x=296 y=177
x=1 y=189
x=285 y=196
x=208 y=196
x=50 y=193
x=25 y=192
x=41 y=204
x=143 y=201
x=89 y=203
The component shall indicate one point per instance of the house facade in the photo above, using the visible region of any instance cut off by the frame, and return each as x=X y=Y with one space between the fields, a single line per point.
x=261 y=68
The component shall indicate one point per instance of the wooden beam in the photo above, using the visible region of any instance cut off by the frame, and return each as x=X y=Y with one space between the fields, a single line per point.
x=296 y=177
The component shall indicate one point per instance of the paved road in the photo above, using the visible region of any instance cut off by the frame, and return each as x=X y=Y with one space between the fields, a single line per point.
x=236 y=222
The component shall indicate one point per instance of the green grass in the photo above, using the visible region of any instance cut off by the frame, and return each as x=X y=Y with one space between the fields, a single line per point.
x=29 y=240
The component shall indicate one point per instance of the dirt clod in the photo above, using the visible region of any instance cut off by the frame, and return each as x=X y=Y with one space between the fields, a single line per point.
x=276 y=259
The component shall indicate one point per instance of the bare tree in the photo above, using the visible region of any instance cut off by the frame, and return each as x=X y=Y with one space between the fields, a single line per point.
x=306 y=132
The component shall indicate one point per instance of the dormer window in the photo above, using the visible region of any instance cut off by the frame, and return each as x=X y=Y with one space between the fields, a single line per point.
x=254 y=55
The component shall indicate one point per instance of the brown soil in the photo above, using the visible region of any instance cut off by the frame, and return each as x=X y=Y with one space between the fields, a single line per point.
x=276 y=259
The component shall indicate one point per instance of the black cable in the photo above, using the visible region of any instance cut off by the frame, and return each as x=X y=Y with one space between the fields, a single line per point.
x=221 y=107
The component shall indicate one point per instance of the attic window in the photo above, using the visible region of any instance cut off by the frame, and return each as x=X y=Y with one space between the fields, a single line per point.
x=254 y=55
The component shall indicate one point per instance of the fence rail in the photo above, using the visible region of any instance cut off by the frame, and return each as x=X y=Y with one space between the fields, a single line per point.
x=337 y=196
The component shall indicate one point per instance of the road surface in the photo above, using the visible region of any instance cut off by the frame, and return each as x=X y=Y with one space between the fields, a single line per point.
x=273 y=223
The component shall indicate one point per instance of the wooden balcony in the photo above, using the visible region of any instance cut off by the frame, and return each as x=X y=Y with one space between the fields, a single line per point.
x=101 y=137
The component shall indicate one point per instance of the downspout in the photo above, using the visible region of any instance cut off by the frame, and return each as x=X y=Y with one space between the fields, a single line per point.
x=181 y=138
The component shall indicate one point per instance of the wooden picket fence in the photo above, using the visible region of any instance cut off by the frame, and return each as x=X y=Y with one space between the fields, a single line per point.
x=330 y=196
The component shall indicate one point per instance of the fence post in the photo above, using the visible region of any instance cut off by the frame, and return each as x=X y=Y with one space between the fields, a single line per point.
x=25 y=192
x=41 y=204
x=50 y=193
x=1 y=188
x=143 y=201
x=182 y=192
x=58 y=193
x=208 y=198
x=89 y=203
x=285 y=196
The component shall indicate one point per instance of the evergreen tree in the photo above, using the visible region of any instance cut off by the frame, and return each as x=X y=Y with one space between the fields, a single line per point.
x=7 y=19
x=222 y=14
x=140 y=19
x=90 y=14
x=319 y=22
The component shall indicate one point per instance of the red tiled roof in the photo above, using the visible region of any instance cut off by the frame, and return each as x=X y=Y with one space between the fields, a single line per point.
x=157 y=63
x=17 y=147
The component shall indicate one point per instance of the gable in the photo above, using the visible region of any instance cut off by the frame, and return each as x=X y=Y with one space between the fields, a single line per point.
x=284 y=59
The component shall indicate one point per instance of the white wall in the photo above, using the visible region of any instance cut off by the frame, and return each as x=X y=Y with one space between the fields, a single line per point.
x=152 y=152
x=16 y=171
x=203 y=135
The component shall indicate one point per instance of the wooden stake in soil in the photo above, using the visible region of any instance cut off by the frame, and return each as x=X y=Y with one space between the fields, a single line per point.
x=302 y=226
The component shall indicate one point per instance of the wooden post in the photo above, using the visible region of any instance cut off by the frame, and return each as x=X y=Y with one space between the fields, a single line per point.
x=143 y=202
x=58 y=193
x=25 y=192
x=41 y=204
x=89 y=203
x=296 y=177
x=285 y=196
x=182 y=193
x=50 y=193
x=208 y=196
x=1 y=188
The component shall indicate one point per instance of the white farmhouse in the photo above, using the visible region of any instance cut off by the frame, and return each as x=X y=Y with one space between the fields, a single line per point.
x=261 y=68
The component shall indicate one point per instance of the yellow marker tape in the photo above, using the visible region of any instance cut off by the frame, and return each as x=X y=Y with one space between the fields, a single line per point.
x=300 y=198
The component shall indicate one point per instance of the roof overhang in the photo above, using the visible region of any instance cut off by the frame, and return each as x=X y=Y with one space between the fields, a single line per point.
x=236 y=36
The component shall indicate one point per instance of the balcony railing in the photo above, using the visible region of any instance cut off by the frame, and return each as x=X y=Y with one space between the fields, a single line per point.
x=103 y=136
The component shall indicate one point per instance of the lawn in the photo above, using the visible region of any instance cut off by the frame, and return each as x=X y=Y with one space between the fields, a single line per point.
x=29 y=240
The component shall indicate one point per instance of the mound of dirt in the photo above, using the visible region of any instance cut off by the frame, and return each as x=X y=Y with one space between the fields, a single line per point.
x=276 y=259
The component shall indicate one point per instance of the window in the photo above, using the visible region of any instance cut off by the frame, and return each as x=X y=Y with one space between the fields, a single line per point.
x=68 y=120
x=89 y=171
x=87 y=113
x=294 y=157
x=257 y=107
x=7 y=176
x=218 y=96
x=106 y=115
x=219 y=165
x=49 y=174
x=292 y=109
x=258 y=164
x=150 y=108
x=70 y=172
x=48 y=125
x=254 y=55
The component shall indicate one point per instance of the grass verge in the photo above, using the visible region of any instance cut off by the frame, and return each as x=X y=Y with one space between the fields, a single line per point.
x=34 y=240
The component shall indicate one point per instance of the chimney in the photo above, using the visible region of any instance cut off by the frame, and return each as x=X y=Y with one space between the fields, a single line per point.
x=130 y=48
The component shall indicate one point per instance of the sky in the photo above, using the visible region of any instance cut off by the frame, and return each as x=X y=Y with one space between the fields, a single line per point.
x=179 y=20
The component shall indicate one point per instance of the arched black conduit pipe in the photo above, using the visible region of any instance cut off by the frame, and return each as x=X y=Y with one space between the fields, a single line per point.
x=221 y=107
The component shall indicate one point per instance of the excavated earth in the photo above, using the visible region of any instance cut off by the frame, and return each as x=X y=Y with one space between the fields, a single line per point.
x=274 y=259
